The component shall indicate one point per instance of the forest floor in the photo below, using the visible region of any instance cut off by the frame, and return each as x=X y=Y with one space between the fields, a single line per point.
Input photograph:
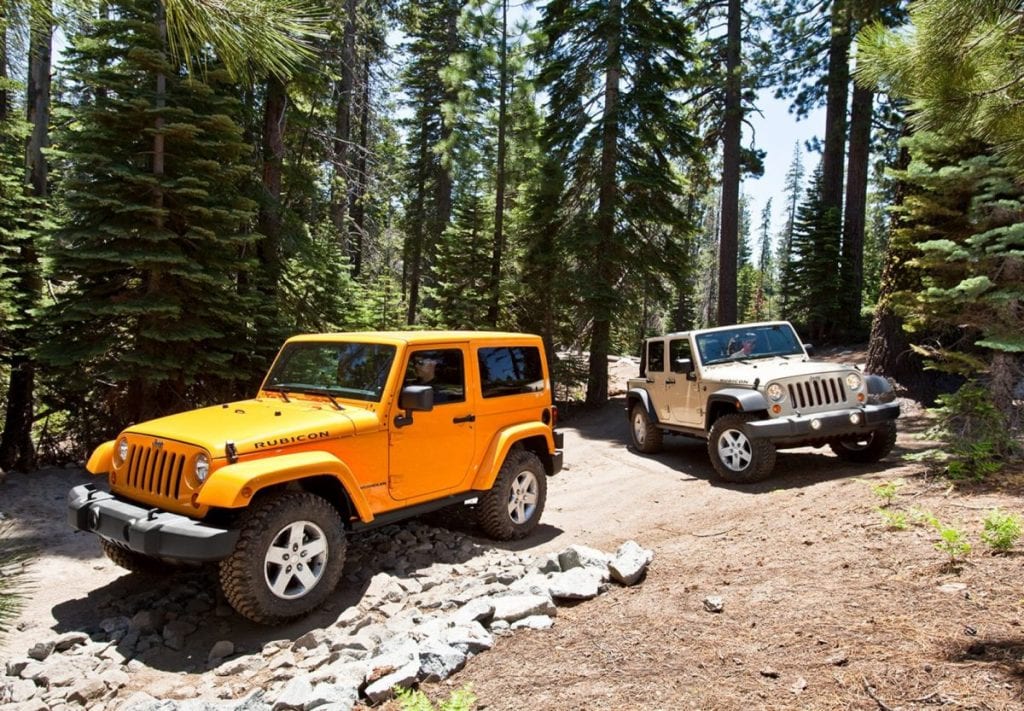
x=825 y=606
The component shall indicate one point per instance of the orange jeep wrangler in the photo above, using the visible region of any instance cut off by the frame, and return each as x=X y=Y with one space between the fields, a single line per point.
x=347 y=432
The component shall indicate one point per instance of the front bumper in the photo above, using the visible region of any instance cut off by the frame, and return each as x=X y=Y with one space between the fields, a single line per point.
x=798 y=428
x=147 y=530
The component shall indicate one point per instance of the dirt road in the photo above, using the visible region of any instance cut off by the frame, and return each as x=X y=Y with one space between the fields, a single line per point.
x=824 y=606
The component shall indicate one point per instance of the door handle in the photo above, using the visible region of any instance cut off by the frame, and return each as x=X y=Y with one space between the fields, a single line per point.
x=467 y=418
x=670 y=381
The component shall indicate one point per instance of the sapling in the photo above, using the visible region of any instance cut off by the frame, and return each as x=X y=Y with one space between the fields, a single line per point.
x=953 y=542
x=887 y=491
x=1001 y=530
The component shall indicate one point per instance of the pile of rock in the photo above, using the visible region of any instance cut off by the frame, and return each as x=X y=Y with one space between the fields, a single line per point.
x=432 y=600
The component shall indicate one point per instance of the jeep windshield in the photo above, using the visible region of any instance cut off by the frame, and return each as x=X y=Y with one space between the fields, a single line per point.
x=748 y=343
x=357 y=371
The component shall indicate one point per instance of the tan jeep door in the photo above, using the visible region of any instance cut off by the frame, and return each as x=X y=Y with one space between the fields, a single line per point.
x=684 y=399
x=657 y=375
x=434 y=452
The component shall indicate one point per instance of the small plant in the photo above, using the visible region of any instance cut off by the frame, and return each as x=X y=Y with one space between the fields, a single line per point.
x=920 y=517
x=977 y=438
x=415 y=700
x=894 y=518
x=887 y=491
x=1001 y=530
x=953 y=542
x=13 y=555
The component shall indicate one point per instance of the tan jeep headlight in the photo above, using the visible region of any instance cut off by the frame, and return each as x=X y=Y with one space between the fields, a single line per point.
x=854 y=381
x=776 y=393
x=121 y=452
x=202 y=469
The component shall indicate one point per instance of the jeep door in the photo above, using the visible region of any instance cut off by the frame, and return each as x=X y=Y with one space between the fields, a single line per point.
x=684 y=398
x=434 y=452
x=659 y=380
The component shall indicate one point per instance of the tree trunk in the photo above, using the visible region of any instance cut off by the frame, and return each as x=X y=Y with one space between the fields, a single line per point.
x=731 y=133
x=343 y=128
x=412 y=267
x=4 y=97
x=271 y=262
x=833 y=154
x=603 y=297
x=358 y=201
x=852 y=260
x=17 y=450
x=499 y=196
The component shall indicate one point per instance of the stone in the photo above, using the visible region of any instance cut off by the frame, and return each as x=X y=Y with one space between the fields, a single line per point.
x=40 y=650
x=438 y=660
x=533 y=622
x=714 y=603
x=296 y=694
x=70 y=640
x=630 y=563
x=575 y=584
x=87 y=691
x=223 y=648
x=577 y=556
x=514 y=607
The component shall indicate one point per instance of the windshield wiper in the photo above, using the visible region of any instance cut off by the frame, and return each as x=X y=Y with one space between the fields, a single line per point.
x=284 y=395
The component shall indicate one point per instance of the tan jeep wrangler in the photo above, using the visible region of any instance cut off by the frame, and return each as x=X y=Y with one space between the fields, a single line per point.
x=348 y=431
x=753 y=388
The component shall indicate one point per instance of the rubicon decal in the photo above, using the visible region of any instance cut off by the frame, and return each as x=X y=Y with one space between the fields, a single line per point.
x=281 y=441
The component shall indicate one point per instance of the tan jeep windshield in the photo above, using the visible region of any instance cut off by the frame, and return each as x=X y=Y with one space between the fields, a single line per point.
x=357 y=371
x=748 y=342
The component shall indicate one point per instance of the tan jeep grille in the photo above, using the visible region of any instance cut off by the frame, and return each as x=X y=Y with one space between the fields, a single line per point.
x=817 y=392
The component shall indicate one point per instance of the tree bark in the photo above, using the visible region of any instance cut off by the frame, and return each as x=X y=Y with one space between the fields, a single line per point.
x=603 y=295
x=852 y=259
x=17 y=450
x=343 y=128
x=499 y=196
x=731 y=133
x=361 y=179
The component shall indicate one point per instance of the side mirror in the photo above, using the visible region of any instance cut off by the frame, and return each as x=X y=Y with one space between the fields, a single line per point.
x=809 y=349
x=682 y=365
x=414 y=398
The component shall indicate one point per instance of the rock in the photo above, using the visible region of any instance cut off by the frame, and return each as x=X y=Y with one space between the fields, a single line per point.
x=471 y=638
x=839 y=659
x=147 y=620
x=799 y=685
x=714 y=603
x=770 y=673
x=40 y=650
x=381 y=688
x=223 y=648
x=21 y=690
x=514 y=607
x=87 y=691
x=630 y=563
x=175 y=632
x=577 y=556
x=534 y=622
x=295 y=695
x=70 y=640
x=575 y=584
x=310 y=640
x=438 y=660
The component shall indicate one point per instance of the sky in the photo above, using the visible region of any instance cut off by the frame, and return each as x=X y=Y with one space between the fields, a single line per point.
x=776 y=131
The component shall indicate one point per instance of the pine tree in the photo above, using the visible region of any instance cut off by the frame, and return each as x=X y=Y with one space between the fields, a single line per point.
x=149 y=318
x=619 y=138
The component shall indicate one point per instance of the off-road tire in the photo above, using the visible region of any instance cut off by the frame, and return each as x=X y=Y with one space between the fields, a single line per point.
x=644 y=434
x=512 y=507
x=245 y=575
x=736 y=457
x=867 y=448
x=132 y=560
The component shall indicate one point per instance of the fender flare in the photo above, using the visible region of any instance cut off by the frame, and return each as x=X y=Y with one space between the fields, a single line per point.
x=739 y=399
x=233 y=486
x=501 y=443
x=101 y=461
x=645 y=399
x=880 y=390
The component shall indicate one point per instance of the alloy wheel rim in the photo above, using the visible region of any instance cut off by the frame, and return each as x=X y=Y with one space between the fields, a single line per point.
x=296 y=560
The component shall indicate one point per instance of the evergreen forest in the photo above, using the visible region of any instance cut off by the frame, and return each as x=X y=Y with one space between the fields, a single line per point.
x=186 y=183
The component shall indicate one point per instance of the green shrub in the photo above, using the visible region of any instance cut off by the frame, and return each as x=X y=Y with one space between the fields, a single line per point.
x=13 y=555
x=1001 y=530
x=953 y=542
x=887 y=491
x=894 y=518
x=976 y=434
x=415 y=700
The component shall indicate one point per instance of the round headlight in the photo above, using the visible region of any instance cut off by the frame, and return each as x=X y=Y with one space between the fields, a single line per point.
x=121 y=452
x=202 y=467
x=853 y=381
x=776 y=393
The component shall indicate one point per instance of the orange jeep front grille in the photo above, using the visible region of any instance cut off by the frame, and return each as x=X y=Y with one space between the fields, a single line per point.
x=156 y=473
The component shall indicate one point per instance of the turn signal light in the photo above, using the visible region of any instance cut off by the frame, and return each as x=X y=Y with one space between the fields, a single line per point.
x=776 y=409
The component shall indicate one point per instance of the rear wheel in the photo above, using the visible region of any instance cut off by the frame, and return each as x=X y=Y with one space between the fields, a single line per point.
x=645 y=435
x=868 y=447
x=288 y=558
x=512 y=507
x=736 y=457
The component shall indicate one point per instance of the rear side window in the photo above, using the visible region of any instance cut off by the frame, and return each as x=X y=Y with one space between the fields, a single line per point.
x=510 y=371
x=656 y=356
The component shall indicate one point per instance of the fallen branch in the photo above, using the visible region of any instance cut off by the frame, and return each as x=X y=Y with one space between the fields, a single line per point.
x=711 y=535
x=871 y=692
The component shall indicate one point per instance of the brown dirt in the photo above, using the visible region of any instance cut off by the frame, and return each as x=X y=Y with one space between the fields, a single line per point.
x=825 y=607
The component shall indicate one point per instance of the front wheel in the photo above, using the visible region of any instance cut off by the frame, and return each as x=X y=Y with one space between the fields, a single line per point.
x=736 y=457
x=645 y=435
x=288 y=558
x=868 y=447
x=511 y=508
x=133 y=561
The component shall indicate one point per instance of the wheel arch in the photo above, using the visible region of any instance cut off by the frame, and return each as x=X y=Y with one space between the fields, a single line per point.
x=639 y=395
x=236 y=486
x=733 y=401
x=535 y=437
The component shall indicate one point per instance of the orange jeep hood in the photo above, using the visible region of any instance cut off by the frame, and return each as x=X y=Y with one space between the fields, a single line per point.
x=260 y=425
